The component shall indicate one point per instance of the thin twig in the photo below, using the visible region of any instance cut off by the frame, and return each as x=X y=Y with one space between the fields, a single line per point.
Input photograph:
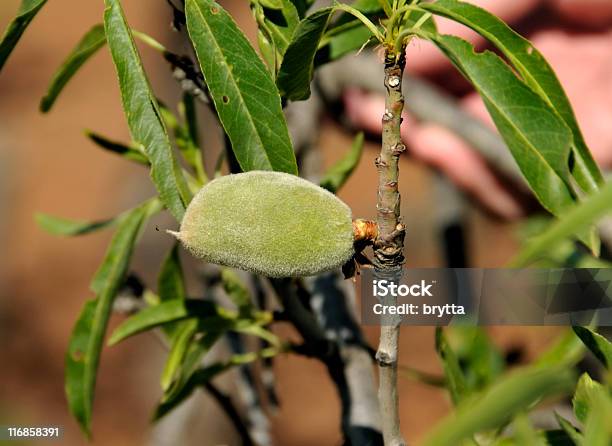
x=388 y=247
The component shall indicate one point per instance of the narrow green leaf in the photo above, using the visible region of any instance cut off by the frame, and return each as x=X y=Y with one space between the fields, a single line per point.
x=538 y=139
x=296 y=70
x=495 y=406
x=245 y=97
x=347 y=34
x=178 y=349
x=198 y=378
x=267 y=49
x=570 y=430
x=348 y=41
x=169 y=311
x=567 y=351
x=281 y=24
x=186 y=137
x=455 y=381
x=368 y=6
x=119 y=248
x=237 y=291
x=599 y=346
x=188 y=111
x=580 y=217
x=598 y=426
x=62 y=226
x=340 y=172
x=142 y=112
x=204 y=375
x=78 y=396
x=481 y=361
x=258 y=331
x=302 y=6
x=15 y=29
x=128 y=152
x=535 y=71
x=87 y=338
x=170 y=283
x=556 y=437
x=525 y=433
x=87 y=47
x=585 y=389
x=191 y=362
x=271 y=4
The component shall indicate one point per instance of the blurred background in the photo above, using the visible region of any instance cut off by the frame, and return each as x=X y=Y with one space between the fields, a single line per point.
x=48 y=165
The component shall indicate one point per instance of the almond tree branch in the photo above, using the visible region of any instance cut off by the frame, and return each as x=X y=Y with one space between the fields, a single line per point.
x=230 y=410
x=388 y=247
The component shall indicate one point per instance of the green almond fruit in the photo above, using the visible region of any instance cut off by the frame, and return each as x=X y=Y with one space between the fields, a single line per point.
x=270 y=223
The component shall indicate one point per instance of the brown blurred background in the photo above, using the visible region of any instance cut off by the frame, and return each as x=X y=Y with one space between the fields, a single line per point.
x=46 y=164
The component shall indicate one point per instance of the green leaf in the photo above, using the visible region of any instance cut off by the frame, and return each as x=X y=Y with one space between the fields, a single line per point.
x=271 y=4
x=170 y=311
x=267 y=49
x=493 y=407
x=348 y=41
x=598 y=426
x=87 y=337
x=245 y=97
x=481 y=360
x=204 y=375
x=170 y=283
x=537 y=137
x=340 y=172
x=534 y=70
x=178 y=349
x=186 y=136
x=15 y=29
x=87 y=47
x=570 y=430
x=556 y=437
x=525 y=432
x=567 y=351
x=237 y=291
x=296 y=70
x=599 y=346
x=142 y=112
x=280 y=24
x=192 y=151
x=585 y=389
x=131 y=153
x=191 y=362
x=368 y=6
x=78 y=395
x=347 y=34
x=455 y=381
x=260 y=332
x=198 y=378
x=302 y=6
x=188 y=111
x=62 y=226
x=583 y=215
